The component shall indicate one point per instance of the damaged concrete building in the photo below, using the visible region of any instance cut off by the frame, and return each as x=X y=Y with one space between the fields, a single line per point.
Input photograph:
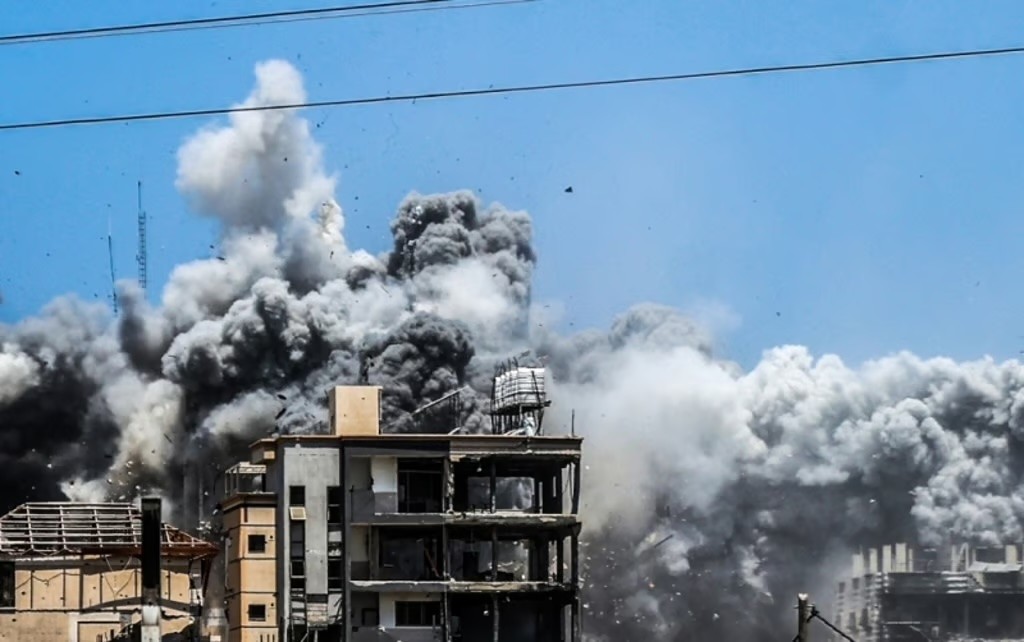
x=899 y=593
x=73 y=571
x=358 y=535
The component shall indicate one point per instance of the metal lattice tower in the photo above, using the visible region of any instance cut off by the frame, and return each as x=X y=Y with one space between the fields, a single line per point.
x=141 y=257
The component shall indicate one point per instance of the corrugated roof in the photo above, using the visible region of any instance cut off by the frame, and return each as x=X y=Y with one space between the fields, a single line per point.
x=54 y=528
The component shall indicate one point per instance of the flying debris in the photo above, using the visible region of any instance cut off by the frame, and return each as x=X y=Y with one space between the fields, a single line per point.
x=709 y=489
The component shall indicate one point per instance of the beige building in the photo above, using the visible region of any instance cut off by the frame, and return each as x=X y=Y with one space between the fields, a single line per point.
x=70 y=572
x=359 y=536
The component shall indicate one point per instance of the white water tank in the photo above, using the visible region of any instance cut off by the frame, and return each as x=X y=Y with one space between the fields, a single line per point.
x=519 y=388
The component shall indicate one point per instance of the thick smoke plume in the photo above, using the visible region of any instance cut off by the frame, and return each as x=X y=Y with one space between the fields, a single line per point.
x=711 y=494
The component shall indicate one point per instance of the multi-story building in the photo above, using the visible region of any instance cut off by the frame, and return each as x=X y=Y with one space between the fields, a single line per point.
x=951 y=593
x=357 y=535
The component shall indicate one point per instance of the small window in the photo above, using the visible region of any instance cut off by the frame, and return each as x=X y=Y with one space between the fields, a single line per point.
x=333 y=575
x=417 y=613
x=334 y=505
x=6 y=585
x=298 y=568
x=257 y=543
x=297 y=495
x=257 y=612
x=297 y=540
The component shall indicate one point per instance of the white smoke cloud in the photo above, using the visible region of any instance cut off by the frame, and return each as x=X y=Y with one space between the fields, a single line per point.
x=654 y=418
x=710 y=491
x=18 y=373
x=265 y=167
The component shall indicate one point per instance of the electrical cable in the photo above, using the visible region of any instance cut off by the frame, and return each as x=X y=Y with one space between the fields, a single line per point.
x=816 y=614
x=517 y=89
x=244 y=20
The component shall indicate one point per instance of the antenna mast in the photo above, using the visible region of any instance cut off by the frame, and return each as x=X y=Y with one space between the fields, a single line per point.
x=110 y=254
x=141 y=258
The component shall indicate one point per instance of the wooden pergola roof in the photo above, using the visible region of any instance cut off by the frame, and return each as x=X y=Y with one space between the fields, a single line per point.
x=61 y=528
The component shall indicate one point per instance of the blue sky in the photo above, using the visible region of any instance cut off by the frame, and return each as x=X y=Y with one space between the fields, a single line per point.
x=859 y=211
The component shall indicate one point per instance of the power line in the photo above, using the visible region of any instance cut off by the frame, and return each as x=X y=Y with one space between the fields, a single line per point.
x=515 y=89
x=222 y=22
x=816 y=614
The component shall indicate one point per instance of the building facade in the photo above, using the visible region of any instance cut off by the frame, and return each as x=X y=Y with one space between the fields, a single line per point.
x=900 y=593
x=71 y=572
x=356 y=535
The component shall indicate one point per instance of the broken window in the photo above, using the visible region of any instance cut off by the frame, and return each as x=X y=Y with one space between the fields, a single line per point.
x=257 y=543
x=417 y=613
x=419 y=485
x=990 y=555
x=333 y=575
x=409 y=558
x=7 y=585
x=297 y=549
x=334 y=505
x=257 y=612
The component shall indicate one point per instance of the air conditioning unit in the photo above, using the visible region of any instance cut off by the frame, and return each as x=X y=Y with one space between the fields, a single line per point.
x=297 y=513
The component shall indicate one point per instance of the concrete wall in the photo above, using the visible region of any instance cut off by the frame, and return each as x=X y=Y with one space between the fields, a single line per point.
x=358 y=474
x=51 y=594
x=315 y=468
x=73 y=584
x=354 y=410
x=251 y=574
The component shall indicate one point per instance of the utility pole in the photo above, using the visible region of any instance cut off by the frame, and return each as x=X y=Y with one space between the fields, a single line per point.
x=803 y=610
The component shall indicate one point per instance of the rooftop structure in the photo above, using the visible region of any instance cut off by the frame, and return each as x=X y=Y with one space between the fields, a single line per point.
x=73 y=572
x=356 y=535
x=61 y=528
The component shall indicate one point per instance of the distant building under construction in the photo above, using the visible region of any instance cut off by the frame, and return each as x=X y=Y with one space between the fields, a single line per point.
x=355 y=535
x=899 y=593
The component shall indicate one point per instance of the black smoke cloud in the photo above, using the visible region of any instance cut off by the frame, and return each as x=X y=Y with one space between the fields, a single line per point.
x=712 y=495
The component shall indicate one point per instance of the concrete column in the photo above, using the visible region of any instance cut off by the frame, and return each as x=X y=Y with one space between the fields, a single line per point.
x=494 y=486
x=346 y=534
x=494 y=554
x=576 y=487
x=495 y=619
x=559 y=503
x=449 y=485
x=560 y=559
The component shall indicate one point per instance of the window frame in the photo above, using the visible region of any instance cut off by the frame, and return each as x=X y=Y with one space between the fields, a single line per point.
x=335 y=517
x=251 y=613
x=427 y=613
x=256 y=537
